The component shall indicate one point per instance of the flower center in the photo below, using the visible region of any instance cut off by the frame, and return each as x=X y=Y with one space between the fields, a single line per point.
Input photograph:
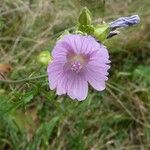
x=77 y=62
x=78 y=58
x=76 y=66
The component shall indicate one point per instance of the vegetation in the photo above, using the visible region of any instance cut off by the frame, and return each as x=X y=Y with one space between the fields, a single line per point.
x=33 y=118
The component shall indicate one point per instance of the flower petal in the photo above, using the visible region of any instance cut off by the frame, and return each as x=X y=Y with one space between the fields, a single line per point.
x=96 y=78
x=78 y=88
x=62 y=86
x=55 y=69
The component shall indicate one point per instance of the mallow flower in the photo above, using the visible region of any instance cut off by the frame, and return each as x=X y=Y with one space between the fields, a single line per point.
x=78 y=61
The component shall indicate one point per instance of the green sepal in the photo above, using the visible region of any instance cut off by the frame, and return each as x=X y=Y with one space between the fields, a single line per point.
x=66 y=32
x=101 y=32
x=79 y=32
x=89 y=29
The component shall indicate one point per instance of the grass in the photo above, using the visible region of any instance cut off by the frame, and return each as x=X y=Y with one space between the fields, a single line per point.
x=32 y=117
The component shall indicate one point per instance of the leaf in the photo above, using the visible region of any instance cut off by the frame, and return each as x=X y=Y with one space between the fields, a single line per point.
x=49 y=126
x=142 y=73
x=5 y=105
x=27 y=97
x=43 y=133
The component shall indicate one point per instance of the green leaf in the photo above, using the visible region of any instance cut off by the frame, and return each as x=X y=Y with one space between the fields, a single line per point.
x=85 y=17
x=5 y=105
x=142 y=73
x=43 y=133
x=27 y=97
x=101 y=32
x=49 y=126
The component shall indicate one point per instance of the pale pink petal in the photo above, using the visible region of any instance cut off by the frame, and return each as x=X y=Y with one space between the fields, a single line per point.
x=55 y=69
x=62 y=86
x=78 y=88
x=87 y=45
x=96 y=78
x=70 y=40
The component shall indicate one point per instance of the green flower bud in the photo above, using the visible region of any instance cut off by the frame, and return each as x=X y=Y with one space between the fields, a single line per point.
x=44 y=57
x=85 y=17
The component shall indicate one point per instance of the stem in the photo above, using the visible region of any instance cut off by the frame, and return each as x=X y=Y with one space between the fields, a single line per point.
x=103 y=14
x=23 y=80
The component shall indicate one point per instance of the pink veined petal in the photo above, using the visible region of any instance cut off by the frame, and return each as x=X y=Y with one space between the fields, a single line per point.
x=99 y=86
x=101 y=63
x=60 y=51
x=70 y=40
x=97 y=74
x=54 y=79
x=93 y=61
x=87 y=45
x=102 y=69
x=55 y=66
x=97 y=57
x=78 y=88
x=78 y=43
x=62 y=86
x=96 y=79
x=55 y=69
x=103 y=51
x=83 y=89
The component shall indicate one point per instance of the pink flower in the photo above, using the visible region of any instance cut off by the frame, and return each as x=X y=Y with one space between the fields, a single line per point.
x=77 y=61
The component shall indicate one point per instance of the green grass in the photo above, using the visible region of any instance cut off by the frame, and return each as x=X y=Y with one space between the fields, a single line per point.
x=33 y=118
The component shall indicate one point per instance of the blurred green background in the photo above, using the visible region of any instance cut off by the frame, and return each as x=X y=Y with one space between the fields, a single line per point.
x=33 y=118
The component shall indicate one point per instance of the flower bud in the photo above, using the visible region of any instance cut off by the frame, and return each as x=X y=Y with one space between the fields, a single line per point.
x=124 y=22
x=44 y=57
x=85 y=17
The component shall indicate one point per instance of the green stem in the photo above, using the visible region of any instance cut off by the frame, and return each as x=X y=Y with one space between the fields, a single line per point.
x=103 y=13
x=23 y=80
